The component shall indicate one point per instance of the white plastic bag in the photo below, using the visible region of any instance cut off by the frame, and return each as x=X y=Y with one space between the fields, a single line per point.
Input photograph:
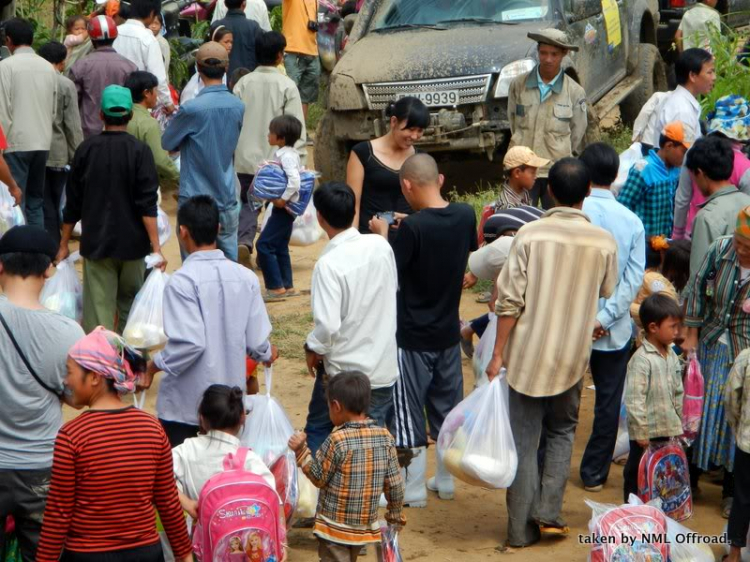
x=483 y=352
x=476 y=442
x=163 y=226
x=622 y=445
x=306 y=230
x=145 y=326
x=627 y=160
x=307 y=503
x=267 y=429
x=10 y=213
x=63 y=292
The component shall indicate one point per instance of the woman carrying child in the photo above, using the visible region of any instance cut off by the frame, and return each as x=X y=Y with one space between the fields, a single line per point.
x=112 y=465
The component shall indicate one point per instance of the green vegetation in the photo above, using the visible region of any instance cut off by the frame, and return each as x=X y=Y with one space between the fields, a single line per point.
x=732 y=78
x=275 y=17
x=289 y=330
x=619 y=137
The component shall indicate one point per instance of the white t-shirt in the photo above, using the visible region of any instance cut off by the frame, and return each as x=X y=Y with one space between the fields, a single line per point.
x=255 y=10
x=697 y=26
x=200 y=458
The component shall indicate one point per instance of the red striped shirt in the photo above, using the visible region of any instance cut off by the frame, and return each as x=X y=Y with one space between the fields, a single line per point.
x=110 y=469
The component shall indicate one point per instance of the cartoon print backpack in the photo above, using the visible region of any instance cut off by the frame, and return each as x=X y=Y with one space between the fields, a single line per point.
x=663 y=473
x=631 y=533
x=239 y=516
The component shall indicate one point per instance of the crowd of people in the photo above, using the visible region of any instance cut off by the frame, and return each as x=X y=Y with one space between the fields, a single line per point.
x=618 y=279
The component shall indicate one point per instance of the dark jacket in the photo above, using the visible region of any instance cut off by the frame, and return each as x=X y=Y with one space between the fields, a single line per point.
x=245 y=31
x=111 y=187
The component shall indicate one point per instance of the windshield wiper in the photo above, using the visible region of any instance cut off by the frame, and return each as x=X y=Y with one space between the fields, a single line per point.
x=477 y=20
x=411 y=26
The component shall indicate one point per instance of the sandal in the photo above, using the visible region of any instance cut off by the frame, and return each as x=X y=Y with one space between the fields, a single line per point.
x=273 y=297
x=726 y=507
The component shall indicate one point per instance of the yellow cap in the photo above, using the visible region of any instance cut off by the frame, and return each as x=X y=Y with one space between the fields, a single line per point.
x=522 y=156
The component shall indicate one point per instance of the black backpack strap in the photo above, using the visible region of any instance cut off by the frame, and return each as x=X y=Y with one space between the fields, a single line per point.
x=23 y=357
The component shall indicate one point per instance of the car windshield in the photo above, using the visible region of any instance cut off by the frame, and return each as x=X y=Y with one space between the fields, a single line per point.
x=392 y=14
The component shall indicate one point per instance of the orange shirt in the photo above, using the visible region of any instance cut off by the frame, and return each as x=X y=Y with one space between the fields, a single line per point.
x=294 y=17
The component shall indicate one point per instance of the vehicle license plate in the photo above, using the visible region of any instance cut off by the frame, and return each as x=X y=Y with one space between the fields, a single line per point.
x=436 y=99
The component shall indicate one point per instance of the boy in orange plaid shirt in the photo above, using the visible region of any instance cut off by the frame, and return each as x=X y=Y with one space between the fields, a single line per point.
x=353 y=466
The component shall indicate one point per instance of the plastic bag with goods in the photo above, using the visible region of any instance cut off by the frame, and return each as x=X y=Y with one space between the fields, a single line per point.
x=270 y=182
x=163 y=227
x=476 y=442
x=305 y=229
x=692 y=402
x=267 y=432
x=388 y=550
x=616 y=531
x=10 y=214
x=145 y=326
x=307 y=502
x=63 y=292
x=483 y=352
x=622 y=445
x=663 y=474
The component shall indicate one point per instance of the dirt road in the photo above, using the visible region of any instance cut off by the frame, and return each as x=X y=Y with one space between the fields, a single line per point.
x=469 y=528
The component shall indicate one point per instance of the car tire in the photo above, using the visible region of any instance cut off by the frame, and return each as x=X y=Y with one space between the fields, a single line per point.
x=652 y=70
x=330 y=153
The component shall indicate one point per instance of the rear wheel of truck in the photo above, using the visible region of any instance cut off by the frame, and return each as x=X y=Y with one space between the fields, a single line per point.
x=652 y=70
x=330 y=153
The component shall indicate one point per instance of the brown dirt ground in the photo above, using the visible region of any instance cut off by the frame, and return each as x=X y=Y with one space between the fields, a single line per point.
x=469 y=528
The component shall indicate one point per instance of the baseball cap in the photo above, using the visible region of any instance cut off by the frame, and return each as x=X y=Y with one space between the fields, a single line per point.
x=27 y=239
x=488 y=261
x=677 y=131
x=212 y=54
x=522 y=156
x=509 y=219
x=102 y=28
x=117 y=101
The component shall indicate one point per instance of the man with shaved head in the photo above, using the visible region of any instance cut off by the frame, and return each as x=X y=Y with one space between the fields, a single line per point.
x=432 y=248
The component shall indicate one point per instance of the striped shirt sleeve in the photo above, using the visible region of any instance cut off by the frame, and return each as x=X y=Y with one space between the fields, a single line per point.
x=60 y=501
x=168 y=504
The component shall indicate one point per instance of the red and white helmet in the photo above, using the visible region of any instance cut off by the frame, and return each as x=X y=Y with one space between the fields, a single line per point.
x=102 y=28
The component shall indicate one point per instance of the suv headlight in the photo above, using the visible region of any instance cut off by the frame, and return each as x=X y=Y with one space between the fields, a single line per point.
x=509 y=72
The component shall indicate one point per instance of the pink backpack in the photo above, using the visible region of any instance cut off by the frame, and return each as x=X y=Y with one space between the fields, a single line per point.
x=239 y=517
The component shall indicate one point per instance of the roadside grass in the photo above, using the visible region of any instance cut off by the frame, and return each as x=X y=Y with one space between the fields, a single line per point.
x=619 y=137
x=290 y=332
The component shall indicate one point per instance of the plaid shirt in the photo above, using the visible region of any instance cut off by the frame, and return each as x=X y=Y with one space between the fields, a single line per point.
x=353 y=466
x=716 y=297
x=737 y=400
x=509 y=199
x=653 y=394
x=649 y=192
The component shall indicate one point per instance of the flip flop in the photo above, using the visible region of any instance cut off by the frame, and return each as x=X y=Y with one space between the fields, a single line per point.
x=552 y=530
x=272 y=297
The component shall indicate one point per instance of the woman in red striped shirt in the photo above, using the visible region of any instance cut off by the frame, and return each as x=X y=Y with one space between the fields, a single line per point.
x=112 y=465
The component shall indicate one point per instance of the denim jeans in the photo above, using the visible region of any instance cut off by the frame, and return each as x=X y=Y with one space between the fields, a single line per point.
x=29 y=169
x=319 y=425
x=273 y=250
x=229 y=220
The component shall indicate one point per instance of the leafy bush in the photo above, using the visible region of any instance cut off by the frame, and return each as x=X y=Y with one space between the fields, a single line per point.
x=731 y=76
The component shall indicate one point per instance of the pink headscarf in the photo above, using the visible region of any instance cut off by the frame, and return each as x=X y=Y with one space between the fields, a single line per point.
x=107 y=354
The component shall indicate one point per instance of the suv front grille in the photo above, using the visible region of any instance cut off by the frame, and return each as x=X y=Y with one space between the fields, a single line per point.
x=471 y=89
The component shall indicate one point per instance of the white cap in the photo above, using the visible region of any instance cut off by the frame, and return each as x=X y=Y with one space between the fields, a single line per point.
x=488 y=261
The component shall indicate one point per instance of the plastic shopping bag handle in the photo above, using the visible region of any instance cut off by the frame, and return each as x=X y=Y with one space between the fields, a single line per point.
x=268 y=374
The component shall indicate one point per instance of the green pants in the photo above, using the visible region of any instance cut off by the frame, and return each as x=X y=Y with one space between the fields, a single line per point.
x=109 y=287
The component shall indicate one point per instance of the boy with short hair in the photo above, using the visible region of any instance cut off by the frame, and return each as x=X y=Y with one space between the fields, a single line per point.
x=653 y=391
x=358 y=451
x=520 y=166
x=737 y=408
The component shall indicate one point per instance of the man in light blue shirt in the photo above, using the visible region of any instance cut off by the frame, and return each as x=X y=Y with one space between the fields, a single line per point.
x=612 y=332
x=206 y=131
x=214 y=317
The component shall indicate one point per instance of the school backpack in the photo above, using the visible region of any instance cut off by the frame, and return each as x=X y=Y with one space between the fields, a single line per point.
x=630 y=533
x=239 y=517
x=663 y=473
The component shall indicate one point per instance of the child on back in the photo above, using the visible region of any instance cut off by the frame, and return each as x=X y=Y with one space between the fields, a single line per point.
x=520 y=166
x=76 y=32
x=273 y=244
x=653 y=388
x=737 y=408
x=357 y=453
x=221 y=416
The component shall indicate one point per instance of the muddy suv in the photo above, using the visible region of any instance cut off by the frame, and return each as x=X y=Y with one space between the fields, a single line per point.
x=460 y=56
